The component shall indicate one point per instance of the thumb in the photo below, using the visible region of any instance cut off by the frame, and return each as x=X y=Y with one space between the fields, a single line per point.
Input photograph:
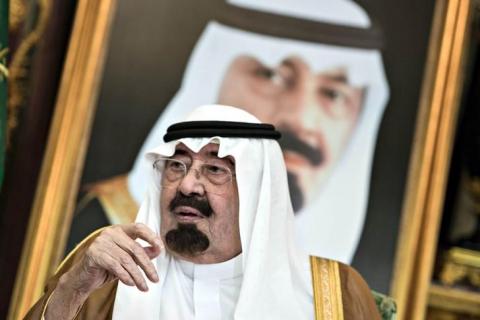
x=154 y=251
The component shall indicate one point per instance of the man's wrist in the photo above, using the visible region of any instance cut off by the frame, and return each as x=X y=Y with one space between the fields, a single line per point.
x=66 y=300
x=70 y=287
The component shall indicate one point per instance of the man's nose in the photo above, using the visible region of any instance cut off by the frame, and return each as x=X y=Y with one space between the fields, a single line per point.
x=298 y=98
x=192 y=183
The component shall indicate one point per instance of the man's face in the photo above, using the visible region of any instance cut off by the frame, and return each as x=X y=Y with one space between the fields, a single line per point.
x=200 y=214
x=316 y=113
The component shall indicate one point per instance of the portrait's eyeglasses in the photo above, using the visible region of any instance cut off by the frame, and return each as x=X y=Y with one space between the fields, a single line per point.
x=174 y=170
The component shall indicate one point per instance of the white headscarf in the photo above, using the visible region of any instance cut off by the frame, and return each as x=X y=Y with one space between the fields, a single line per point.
x=327 y=226
x=276 y=275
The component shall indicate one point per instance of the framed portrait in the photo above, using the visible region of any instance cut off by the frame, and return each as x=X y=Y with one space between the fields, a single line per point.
x=342 y=82
x=286 y=69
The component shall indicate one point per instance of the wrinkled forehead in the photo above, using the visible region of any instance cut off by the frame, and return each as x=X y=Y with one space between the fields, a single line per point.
x=208 y=152
x=215 y=146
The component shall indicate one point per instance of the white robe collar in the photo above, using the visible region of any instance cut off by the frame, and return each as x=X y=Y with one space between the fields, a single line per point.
x=216 y=271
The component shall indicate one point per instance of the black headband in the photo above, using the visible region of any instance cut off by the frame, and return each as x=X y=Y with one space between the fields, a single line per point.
x=232 y=129
x=283 y=26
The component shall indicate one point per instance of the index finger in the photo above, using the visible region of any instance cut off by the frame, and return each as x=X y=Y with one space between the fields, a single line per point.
x=141 y=231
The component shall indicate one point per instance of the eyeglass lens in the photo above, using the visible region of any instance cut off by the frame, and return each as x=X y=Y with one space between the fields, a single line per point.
x=172 y=171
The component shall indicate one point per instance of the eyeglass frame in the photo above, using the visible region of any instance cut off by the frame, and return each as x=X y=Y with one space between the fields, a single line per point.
x=187 y=168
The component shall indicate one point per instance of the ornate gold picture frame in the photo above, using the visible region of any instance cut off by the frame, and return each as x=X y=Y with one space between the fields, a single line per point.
x=67 y=142
x=430 y=157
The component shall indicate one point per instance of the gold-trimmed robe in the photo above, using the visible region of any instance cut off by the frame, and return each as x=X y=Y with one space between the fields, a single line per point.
x=339 y=292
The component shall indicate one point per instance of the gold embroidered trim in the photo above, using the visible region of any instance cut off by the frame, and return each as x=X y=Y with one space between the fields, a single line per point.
x=46 y=305
x=17 y=12
x=18 y=71
x=3 y=63
x=116 y=200
x=327 y=290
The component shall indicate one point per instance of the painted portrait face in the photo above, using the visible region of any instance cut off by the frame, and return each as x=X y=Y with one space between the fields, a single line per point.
x=199 y=205
x=316 y=113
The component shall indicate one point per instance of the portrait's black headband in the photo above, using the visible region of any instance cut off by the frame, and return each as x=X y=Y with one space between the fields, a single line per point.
x=277 y=25
x=230 y=129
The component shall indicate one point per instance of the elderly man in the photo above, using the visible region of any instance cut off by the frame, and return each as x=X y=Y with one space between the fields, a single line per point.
x=214 y=240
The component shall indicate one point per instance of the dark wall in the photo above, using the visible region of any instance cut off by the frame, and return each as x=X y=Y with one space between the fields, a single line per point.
x=406 y=26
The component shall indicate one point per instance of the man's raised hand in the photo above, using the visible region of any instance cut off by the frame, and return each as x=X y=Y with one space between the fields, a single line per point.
x=115 y=254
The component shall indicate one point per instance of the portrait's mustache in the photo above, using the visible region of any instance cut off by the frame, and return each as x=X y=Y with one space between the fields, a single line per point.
x=290 y=141
x=194 y=201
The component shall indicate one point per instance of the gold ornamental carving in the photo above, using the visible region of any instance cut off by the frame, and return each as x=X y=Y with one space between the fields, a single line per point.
x=461 y=265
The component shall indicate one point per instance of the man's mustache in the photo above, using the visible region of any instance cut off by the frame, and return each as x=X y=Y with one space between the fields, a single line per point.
x=201 y=204
x=290 y=141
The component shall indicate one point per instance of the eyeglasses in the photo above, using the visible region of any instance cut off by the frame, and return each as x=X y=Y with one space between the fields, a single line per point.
x=174 y=170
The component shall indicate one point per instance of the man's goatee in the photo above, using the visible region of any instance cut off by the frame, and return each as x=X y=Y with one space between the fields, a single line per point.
x=187 y=240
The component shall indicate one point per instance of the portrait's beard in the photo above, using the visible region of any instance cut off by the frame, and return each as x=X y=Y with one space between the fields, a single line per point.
x=315 y=157
x=296 y=195
x=186 y=239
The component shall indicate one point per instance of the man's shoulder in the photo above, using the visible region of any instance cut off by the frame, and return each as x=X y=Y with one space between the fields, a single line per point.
x=342 y=285
x=345 y=271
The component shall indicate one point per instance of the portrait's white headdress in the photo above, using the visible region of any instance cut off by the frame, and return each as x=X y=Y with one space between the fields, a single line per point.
x=276 y=275
x=329 y=226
